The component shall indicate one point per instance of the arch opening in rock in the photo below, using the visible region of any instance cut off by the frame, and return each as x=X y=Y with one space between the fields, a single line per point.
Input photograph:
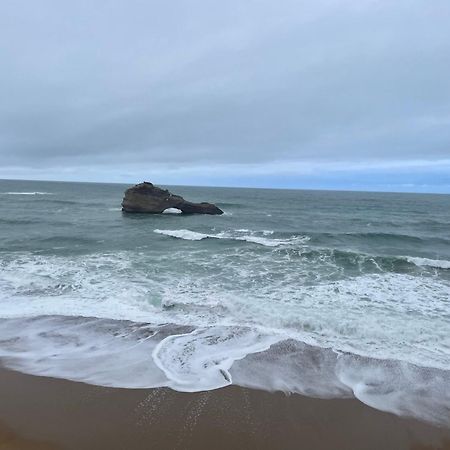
x=172 y=211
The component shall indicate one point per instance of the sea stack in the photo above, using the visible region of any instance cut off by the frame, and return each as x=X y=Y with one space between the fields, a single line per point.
x=147 y=198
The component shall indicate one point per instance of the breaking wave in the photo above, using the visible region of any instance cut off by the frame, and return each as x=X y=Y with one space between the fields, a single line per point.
x=425 y=262
x=238 y=235
x=101 y=352
x=183 y=234
x=26 y=193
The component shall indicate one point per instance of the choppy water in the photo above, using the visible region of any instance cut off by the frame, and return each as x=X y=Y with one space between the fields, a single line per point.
x=328 y=294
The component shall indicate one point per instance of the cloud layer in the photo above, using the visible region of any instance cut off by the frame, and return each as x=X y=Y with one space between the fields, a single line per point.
x=119 y=88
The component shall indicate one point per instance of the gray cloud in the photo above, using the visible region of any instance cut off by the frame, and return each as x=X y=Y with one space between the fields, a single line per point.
x=192 y=83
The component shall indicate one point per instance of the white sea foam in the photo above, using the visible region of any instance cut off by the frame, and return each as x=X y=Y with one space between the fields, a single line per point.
x=387 y=385
x=263 y=232
x=183 y=234
x=232 y=313
x=397 y=387
x=425 y=262
x=260 y=240
x=90 y=350
x=26 y=193
x=102 y=351
x=236 y=236
x=379 y=315
x=201 y=360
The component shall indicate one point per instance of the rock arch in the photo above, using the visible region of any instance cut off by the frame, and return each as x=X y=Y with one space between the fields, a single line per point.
x=147 y=198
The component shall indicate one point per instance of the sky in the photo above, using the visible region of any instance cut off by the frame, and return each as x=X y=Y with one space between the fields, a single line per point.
x=320 y=94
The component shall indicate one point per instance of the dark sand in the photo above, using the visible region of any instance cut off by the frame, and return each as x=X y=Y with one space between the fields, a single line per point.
x=44 y=413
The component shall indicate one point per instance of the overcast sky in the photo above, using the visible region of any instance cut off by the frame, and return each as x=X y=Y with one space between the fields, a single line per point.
x=347 y=94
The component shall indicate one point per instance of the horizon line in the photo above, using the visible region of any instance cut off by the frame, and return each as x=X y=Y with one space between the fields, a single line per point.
x=232 y=187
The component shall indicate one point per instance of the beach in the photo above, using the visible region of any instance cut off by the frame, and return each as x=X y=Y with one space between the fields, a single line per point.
x=46 y=413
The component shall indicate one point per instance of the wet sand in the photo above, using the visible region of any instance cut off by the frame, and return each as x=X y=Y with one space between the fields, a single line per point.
x=44 y=413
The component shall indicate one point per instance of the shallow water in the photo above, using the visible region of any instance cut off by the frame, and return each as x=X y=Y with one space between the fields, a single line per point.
x=329 y=294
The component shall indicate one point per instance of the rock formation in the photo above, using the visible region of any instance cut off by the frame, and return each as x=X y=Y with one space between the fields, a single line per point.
x=147 y=198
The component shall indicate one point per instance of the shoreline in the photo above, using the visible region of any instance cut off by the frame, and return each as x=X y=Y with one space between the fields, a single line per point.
x=48 y=413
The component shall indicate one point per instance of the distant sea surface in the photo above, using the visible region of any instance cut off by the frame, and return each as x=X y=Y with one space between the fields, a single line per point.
x=326 y=294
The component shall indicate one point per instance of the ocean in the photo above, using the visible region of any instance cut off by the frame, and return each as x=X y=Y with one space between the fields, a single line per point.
x=325 y=294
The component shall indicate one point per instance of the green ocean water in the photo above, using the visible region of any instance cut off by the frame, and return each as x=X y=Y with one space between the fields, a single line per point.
x=323 y=293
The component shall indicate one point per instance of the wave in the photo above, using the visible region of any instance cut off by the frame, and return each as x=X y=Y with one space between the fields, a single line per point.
x=380 y=236
x=59 y=201
x=425 y=262
x=183 y=234
x=387 y=385
x=201 y=360
x=69 y=241
x=236 y=236
x=361 y=313
x=253 y=320
x=21 y=221
x=26 y=193
x=100 y=352
x=365 y=262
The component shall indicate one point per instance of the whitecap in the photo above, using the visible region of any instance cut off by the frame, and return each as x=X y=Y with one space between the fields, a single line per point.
x=183 y=234
x=425 y=262
x=251 y=238
x=27 y=193
x=261 y=240
x=246 y=230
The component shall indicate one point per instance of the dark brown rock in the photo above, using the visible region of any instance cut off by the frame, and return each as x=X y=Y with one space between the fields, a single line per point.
x=147 y=198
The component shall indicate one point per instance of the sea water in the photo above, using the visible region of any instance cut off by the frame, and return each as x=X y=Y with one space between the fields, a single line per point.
x=326 y=294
